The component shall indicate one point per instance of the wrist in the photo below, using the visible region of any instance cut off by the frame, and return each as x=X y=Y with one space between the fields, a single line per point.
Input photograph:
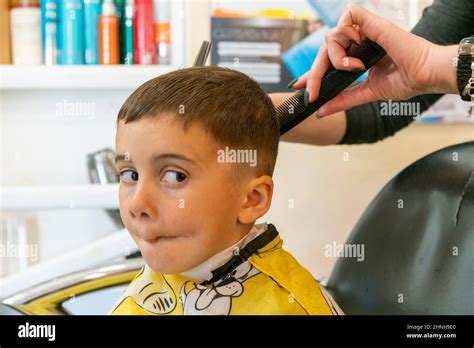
x=443 y=62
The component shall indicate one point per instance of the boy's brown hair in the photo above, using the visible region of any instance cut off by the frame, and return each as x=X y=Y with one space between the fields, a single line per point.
x=228 y=104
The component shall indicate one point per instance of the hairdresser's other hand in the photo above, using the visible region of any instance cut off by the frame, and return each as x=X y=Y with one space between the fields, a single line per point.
x=413 y=66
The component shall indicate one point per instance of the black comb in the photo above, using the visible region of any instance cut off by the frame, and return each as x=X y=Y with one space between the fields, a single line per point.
x=292 y=111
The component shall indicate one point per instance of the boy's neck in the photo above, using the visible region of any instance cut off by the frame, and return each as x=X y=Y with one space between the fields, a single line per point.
x=204 y=270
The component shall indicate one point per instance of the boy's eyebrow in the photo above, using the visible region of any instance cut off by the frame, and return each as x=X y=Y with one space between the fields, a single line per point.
x=173 y=156
x=159 y=157
x=122 y=158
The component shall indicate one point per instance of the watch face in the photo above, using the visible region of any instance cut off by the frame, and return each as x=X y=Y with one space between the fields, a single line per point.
x=466 y=46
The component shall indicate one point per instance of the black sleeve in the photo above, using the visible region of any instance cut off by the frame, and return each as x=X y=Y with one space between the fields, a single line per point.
x=444 y=23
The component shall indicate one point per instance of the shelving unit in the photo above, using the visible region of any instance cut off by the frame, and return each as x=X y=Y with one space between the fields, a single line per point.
x=98 y=77
x=17 y=198
x=79 y=77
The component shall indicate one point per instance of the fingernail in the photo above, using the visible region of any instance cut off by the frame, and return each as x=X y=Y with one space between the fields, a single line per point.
x=355 y=42
x=306 y=97
x=292 y=82
x=317 y=115
x=358 y=70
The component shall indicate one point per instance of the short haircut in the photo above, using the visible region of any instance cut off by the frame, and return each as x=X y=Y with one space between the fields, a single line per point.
x=228 y=104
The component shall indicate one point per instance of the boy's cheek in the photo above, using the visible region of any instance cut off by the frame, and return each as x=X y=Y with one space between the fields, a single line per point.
x=123 y=206
x=129 y=227
x=181 y=221
x=126 y=218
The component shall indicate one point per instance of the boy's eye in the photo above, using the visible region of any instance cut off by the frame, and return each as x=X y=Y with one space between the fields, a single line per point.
x=173 y=177
x=128 y=175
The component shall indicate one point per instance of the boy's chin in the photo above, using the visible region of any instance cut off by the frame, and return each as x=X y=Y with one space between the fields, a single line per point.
x=168 y=267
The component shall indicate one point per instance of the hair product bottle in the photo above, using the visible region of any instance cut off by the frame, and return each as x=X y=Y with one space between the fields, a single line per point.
x=49 y=30
x=5 y=44
x=92 y=11
x=144 y=33
x=108 y=34
x=126 y=32
x=163 y=31
x=71 y=32
x=25 y=24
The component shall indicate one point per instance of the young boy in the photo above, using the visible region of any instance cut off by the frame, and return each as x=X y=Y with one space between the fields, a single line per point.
x=196 y=149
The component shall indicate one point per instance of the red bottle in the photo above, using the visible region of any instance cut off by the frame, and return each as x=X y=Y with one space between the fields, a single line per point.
x=144 y=33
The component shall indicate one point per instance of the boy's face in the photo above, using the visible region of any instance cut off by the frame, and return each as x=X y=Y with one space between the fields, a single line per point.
x=177 y=201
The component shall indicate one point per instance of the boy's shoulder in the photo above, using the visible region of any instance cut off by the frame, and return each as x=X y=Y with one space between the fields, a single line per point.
x=282 y=267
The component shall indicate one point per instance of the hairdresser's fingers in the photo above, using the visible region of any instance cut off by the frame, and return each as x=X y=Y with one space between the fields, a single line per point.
x=303 y=79
x=360 y=94
x=337 y=41
x=351 y=32
x=367 y=24
x=301 y=82
x=316 y=73
x=395 y=40
x=345 y=36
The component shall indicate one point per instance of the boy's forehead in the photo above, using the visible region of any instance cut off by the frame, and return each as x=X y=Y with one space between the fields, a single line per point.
x=149 y=137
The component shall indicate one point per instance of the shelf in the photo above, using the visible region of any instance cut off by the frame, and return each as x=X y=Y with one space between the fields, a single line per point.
x=98 y=77
x=80 y=77
x=17 y=198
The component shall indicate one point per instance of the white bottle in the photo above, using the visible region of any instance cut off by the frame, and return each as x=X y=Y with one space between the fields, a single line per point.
x=163 y=30
x=25 y=25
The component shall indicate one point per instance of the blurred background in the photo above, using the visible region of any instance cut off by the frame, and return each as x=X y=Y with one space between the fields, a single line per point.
x=67 y=67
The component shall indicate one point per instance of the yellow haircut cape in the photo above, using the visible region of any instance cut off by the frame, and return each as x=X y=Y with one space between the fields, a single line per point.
x=262 y=278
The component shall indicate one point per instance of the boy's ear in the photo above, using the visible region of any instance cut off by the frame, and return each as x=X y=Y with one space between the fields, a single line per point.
x=258 y=198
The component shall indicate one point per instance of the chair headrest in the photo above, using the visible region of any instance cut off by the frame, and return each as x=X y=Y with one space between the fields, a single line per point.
x=418 y=238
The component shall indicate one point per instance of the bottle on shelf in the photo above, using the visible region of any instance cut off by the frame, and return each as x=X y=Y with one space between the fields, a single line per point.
x=127 y=33
x=163 y=31
x=144 y=33
x=25 y=26
x=5 y=44
x=71 y=32
x=92 y=11
x=49 y=31
x=125 y=10
x=108 y=34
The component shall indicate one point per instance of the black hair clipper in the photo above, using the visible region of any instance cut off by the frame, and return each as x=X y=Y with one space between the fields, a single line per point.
x=293 y=111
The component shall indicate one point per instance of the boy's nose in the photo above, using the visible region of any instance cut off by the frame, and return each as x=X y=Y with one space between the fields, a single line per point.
x=143 y=205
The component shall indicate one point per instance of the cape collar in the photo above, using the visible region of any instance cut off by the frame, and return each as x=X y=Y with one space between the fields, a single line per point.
x=224 y=262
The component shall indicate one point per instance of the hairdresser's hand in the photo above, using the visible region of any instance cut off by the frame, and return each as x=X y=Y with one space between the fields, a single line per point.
x=413 y=66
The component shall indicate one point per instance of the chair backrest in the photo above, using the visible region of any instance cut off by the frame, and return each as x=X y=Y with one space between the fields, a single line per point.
x=418 y=240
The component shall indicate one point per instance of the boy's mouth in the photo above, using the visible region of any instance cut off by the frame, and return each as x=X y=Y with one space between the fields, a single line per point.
x=151 y=236
x=154 y=239
x=151 y=241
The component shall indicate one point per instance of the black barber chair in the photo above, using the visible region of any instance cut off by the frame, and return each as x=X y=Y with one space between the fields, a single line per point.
x=418 y=237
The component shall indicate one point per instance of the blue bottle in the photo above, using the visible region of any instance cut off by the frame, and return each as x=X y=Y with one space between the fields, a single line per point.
x=71 y=32
x=49 y=31
x=92 y=11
